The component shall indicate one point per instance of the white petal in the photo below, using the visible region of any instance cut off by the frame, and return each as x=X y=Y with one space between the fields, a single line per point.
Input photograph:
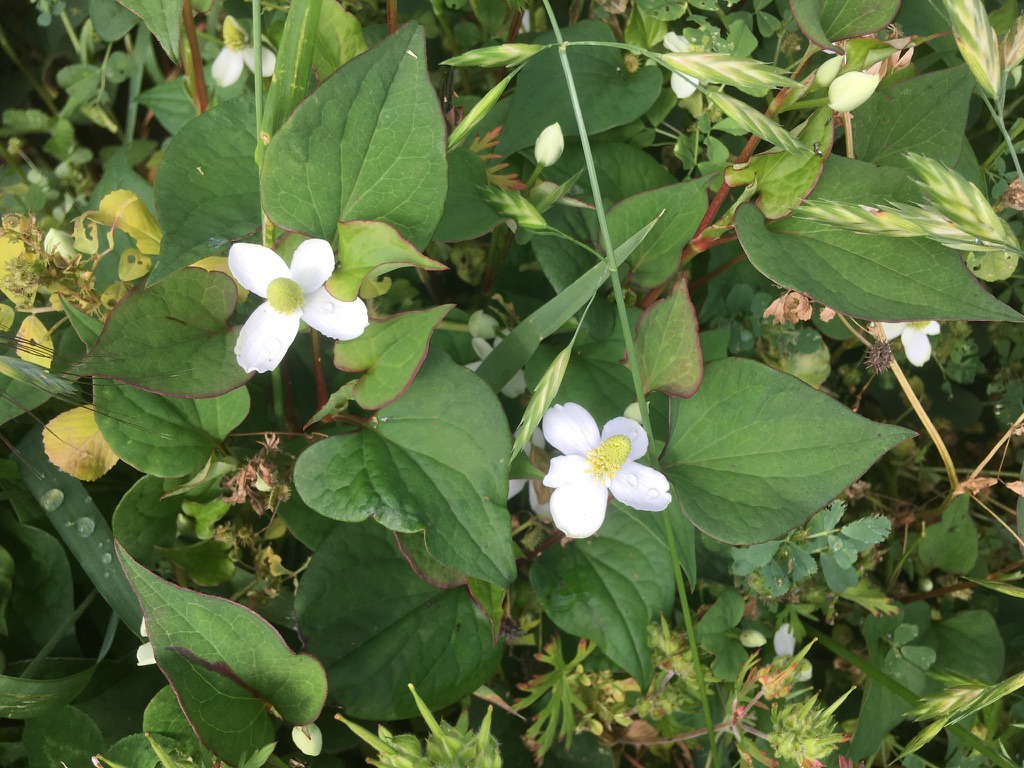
x=255 y=267
x=641 y=487
x=578 y=509
x=565 y=470
x=227 y=67
x=515 y=486
x=676 y=43
x=631 y=429
x=265 y=338
x=267 y=64
x=515 y=386
x=892 y=330
x=481 y=346
x=540 y=508
x=784 y=641
x=142 y=628
x=341 y=320
x=917 y=345
x=570 y=429
x=312 y=264
x=932 y=329
x=144 y=655
x=683 y=86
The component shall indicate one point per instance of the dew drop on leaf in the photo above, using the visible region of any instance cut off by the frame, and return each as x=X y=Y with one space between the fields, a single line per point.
x=84 y=526
x=52 y=499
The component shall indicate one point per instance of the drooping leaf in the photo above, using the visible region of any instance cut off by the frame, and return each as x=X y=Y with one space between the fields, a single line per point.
x=609 y=587
x=74 y=444
x=207 y=188
x=390 y=351
x=122 y=209
x=389 y=628
x=172 y=338
x=368 y=144
x=226 y=664
x=668 y=350
x=22 y=698
x=753 y=454
x=163 y=18
x=164 y=436
x=426 y=467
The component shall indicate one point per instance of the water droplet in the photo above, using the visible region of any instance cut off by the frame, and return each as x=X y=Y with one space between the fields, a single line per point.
x=106 y=575
x=84 y=526
x=327 y=308
x=106 y=558
x=52 y=499
x=653 y=493
x=632 y=480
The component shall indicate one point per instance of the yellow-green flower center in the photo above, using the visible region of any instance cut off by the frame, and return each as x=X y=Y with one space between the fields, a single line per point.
x=234 y=35
x=607 y=459
x=285 y=295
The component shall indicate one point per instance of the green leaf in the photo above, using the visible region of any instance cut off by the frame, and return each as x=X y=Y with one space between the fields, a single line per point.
x=163 y=18
x=339 y=39
x=467 y=215
x=66 y=736
x=610 y=96
x=869 y=276
x=22 y=698
x=969 y=644
x=925 y=114
x=390 y=351
x=207 y=189
x=713 y=634
x=208 y=563
x=110 y=19
x=163 y=436
x=79 y=523
x=425 y=467
x=387 y=628
x=825 y=21
x=164 y=719
x=752 y=455
x=226 y=664
x=172 y=338
x=678 y=209
x=144 y=519
x=609 y=587
x=18 y=397
x=668 y=345
x=368 y=144
x=952 y=544
x=367 y=250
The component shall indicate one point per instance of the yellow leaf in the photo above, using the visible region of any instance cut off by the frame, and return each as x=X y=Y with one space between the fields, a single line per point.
x=123 y=210
x=75 y=445
x=220 y=264
x=133 y=265
x=12 y=252
x=33 y=343
x=6 y=317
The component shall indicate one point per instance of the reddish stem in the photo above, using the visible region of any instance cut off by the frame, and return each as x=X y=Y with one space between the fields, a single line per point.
x=198 y=78
x=392 y=6
x=318 y=370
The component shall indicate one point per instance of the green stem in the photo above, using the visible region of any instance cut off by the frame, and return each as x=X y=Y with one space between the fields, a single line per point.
x=75 y=42
x=135 y=82
x=257 y=62
x=620 y=304
x=58 y=635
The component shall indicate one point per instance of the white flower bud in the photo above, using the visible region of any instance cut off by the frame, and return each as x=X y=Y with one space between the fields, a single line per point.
x=751 y=638
x=549 y=145
x=633 y=412
x=308 y=739
x=482 y=325
x=849 y=91
x=57 y=242
x=827 y=72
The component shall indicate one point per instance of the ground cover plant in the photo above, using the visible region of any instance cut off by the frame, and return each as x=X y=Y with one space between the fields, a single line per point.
x=511 y=382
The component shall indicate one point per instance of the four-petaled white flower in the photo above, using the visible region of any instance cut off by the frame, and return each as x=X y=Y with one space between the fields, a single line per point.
x=144 y=655
x=238 y=53
x=293 y=293
x=594 y=464
x=915 y=339
x=684 y=86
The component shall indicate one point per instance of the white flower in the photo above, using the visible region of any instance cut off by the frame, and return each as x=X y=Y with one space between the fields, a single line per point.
x=549 y=146
x=595 y=463
x=293 y=293
x=684 y=86
x=915 y=339
x=144 y=655
x=785 y=646
x=238 y=53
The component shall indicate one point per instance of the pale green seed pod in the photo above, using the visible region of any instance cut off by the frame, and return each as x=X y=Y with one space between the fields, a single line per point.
x=849 y=91
x=751 y=638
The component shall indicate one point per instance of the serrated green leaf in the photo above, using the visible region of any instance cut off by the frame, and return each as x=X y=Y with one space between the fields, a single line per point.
x=425 y=467
x=752 y=456
x=389 y=628
x=226 y=664
x=368 y=144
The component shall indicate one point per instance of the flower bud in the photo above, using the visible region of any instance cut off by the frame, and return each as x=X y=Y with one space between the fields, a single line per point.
x=233 y=35
x=633 y=412
x=751 y=638
x=549 y=145
x=482 y=325
x=849 y=91
x=57 y=242
x=308 y=739
x=827 y=72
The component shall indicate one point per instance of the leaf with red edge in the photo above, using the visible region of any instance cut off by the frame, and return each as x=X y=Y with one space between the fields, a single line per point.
x=668 y=345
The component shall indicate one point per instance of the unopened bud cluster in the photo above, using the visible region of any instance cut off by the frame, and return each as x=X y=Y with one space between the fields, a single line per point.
x=805 y=733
